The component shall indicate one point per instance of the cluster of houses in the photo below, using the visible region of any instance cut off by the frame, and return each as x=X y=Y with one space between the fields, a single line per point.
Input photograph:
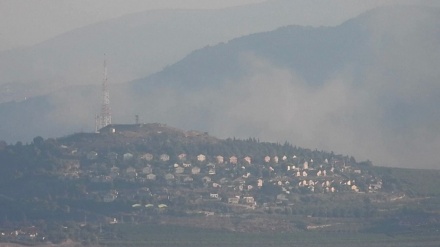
x=22 y=234
x=228 y=179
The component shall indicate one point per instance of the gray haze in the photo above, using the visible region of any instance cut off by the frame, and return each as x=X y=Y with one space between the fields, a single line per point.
x=24 y=22
x=137 y=44
x=381 y=107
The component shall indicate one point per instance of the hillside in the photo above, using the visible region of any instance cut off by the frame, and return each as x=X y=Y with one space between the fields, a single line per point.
x=139 y=44
x=362 y=87
x=147 y=174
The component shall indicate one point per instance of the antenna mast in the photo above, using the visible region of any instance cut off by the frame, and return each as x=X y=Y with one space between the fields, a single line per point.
x=105 y=118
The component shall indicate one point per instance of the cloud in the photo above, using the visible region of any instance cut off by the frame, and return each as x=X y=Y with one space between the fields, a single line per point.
x=276 y=104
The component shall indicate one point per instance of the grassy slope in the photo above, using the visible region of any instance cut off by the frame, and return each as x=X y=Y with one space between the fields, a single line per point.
x=154 y=235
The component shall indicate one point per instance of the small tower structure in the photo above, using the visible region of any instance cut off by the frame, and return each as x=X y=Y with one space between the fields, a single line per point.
x=105 y=118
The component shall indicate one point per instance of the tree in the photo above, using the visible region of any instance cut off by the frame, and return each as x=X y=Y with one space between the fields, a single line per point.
x=38 y=141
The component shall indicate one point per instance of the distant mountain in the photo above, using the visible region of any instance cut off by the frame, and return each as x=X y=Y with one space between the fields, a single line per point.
x=367 y=87
x=139 y=44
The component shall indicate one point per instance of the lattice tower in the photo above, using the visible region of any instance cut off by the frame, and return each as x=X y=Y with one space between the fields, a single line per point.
x=106 y=117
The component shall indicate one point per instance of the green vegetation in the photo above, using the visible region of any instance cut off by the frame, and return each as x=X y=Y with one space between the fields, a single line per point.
x=415 y=182
x=163 y=236
x=84 y=187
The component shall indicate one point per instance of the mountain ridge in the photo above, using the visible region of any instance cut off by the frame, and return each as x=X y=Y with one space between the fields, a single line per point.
x=322 y=87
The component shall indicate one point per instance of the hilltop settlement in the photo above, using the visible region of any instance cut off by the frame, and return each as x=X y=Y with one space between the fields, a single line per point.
x=158 y=174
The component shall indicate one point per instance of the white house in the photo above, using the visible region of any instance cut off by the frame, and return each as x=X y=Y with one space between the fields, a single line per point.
x=233 y=160
x=164 y=157
x=248 y=159
x=147 y=157
x=195 y=170
x=220 y=159
x=201 y=157
x=127 y=156
x=267 y=159
x=182 y=156
x=179 y=170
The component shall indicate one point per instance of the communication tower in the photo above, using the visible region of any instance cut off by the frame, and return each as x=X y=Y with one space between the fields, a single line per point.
x=106 y=117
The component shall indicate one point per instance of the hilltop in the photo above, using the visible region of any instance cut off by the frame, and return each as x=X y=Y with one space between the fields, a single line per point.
x=361 y=87
x=157 y=174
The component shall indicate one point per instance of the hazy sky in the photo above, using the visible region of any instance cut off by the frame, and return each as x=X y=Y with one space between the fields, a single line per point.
x=26 y=22
x=360 y=121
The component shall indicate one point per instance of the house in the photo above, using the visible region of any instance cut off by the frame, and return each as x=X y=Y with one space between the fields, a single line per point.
x=206 y=179
x=216 y=185
x=223 y=181
x=250 y=200
x=233 y=160
x=195 y=170
x=182 y=156
x=275 y=159
x=147 y=170
x=164 y=157
x=188 y=179
x=169 y=176
x=248 y=160
x=131 y=172
x=284 y=158
x=234 y=200
x=260 y=183
x=151 y=176
x=147 y=157
x=282 y=198
x=214 y=195
x=375 y=187
x=179 y=170
x=186 y=165
x=114 y=170
x=92 y=155
x=240 y=187
x=211 y=171
x=267 y=159
x=354 y=188
x=220 y=159
x=306 y=165
x=201 y=157
x=127 y=156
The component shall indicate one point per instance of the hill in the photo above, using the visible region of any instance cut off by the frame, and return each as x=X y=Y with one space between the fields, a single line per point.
x=362 y=87
x=87 y=186
x=143 y=43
